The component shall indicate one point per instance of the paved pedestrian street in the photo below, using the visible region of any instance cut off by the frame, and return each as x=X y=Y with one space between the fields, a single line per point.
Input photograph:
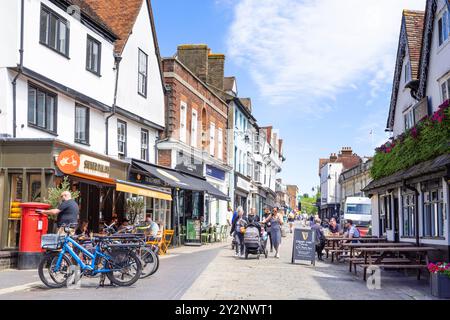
x=212 y=272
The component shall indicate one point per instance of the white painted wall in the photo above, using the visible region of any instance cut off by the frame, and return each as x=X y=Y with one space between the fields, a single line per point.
x=404 y=100
x=10 y=32
x=133 y=139
x=6 y=118
x=152 y=107
x=439 y=61
x=69 y=72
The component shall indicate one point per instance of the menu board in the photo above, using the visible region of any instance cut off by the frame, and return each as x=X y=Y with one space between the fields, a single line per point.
x=193 y=232
x=304 y=246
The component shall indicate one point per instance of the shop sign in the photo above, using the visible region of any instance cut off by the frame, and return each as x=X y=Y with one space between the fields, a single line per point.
x=193 y=231
x=94 y=166
x=145 y=179
x=188 y=164
x=242 y=184
x=215 y=172
x=304 y=246
x=68 y=161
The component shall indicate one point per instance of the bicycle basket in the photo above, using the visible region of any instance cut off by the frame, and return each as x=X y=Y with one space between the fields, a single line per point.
x=52 y=241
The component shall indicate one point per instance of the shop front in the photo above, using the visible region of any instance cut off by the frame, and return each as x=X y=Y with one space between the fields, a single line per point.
x=191 y=194
x=412 y=206
x=217 y=207
x=29 y=167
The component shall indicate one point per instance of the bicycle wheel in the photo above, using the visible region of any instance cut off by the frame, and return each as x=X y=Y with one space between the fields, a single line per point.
x=55 y=278
x=150 y=262
x=126 y=268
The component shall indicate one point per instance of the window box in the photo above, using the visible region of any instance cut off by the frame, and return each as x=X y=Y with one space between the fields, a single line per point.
x=440 y=285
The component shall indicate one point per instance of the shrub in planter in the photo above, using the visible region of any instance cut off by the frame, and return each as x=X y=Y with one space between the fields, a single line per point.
x=440 y=279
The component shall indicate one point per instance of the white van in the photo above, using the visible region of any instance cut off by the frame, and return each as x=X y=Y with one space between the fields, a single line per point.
x=359 y=210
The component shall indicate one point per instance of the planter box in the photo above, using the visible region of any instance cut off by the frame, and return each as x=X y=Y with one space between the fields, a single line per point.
x=440 y=286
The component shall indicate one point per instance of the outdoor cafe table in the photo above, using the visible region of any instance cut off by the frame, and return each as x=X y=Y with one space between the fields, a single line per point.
x=336 y=242
x=357 y=246
x=382 y=253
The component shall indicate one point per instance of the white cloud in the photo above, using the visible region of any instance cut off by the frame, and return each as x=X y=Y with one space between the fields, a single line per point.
x=304 y=50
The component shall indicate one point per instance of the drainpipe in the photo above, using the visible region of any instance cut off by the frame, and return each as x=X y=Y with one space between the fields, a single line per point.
x=416 y=217
x=117 y=59
x=14 y=82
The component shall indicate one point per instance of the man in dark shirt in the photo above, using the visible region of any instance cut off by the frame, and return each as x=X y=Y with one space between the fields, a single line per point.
x=320 y=238
x=67 y=213
x=334 y=227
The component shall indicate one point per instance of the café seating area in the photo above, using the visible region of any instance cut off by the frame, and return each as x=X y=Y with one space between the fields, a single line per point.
x=370 y=253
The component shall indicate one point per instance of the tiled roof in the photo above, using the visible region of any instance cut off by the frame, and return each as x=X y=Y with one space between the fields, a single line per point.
x=88 y=10
x=120 y=16
x=414 y=22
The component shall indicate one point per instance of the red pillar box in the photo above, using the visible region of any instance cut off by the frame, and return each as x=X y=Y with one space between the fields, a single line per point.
x=32 y=227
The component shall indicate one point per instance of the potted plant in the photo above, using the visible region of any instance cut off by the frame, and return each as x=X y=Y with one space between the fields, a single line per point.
x=134 y=208
x=54 y=197
x=440 y=279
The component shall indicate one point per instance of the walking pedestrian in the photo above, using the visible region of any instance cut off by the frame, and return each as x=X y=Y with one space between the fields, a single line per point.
x=276 y=221
x=320 y=238
x=268 y=226
x=239 y=223
x=252 y=217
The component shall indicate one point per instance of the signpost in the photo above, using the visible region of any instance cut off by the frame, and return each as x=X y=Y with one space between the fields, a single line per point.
x=304 y=246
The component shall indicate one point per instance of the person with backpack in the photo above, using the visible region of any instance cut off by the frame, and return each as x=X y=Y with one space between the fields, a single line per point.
x=320 y=238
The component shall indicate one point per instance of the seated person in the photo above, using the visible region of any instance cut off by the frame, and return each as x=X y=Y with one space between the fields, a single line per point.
x=153 y=228
x=352 y=231
x=82 y=231
x=334 y=227
x=124 y=226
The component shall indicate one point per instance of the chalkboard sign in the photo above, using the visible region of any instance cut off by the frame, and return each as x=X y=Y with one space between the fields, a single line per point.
x=304 y=246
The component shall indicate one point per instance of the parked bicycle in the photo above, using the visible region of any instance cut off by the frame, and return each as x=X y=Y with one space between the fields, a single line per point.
x=146 y=252
x=118 y=261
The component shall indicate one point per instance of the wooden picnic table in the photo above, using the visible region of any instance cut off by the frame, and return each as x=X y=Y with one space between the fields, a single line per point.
x=376 y=255
x=336 y=243
x=357 y=246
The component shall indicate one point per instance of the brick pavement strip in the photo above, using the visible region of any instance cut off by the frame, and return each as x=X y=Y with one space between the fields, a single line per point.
x=273 y=279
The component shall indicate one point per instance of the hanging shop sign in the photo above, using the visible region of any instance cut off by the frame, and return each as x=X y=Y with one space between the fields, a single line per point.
x=94 y=166
x=68 y=161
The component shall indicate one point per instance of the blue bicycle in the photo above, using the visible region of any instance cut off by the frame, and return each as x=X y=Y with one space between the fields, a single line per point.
x=117 y=261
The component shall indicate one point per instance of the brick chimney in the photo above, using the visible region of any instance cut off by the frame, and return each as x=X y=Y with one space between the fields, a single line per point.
x=195 y=58
x=346 y=151
x=333 y=157
x=216 y=70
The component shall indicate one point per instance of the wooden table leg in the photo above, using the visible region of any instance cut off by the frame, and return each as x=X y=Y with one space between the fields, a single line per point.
x=351 y=257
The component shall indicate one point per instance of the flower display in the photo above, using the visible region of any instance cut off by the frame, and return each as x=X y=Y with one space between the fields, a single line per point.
x=429 y=138
x=440 y=268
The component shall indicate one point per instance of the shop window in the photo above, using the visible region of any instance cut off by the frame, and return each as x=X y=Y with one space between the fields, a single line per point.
x=81 y=124
x=42 y=108
x=408 y=215
x=54 y=32
x=433 y=213
x=14 y=216
x=34 y=191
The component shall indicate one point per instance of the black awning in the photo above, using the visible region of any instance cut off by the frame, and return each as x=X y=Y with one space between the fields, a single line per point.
x=207 y=187
x=176 y=179
x=424 y=170
x=169 y=176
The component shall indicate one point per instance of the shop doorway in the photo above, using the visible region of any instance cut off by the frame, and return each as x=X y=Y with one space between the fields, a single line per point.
x=396 y=220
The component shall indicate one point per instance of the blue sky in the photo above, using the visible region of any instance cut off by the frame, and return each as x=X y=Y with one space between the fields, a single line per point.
x=320 y=71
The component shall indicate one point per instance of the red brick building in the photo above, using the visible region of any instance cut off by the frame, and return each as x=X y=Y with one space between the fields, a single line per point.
x=195 y=139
